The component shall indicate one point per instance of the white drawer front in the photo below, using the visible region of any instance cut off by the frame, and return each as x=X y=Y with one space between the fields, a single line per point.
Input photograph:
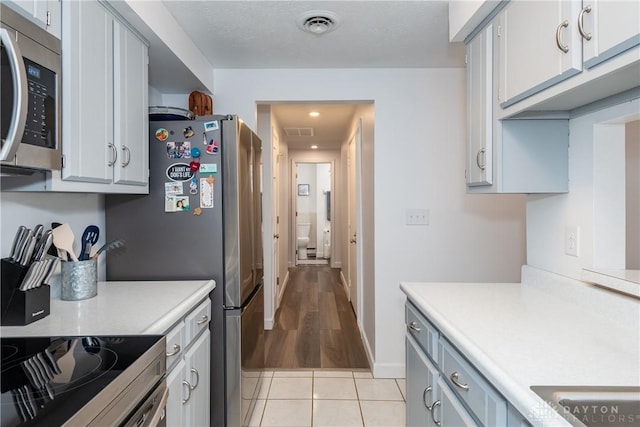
x=423 y=332
x=198 y=320
x=175 y=344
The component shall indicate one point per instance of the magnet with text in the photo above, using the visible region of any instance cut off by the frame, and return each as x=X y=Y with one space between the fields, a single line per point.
x=206 y=193
x=188 y=132
x=179 y=172
x=162 y=134
x=206 y=168
x=212 y=147
x=173 y=188
x=179 y=150
x=209 y=126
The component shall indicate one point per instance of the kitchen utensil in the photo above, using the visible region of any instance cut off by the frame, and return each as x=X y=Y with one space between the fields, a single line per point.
x=42 y=246
x=21 y=240
x=108 y=246
x=38 y=230
x=89 y=238
x=16 y=241
x=52 y=266
x=63 y=239
x=27 y=252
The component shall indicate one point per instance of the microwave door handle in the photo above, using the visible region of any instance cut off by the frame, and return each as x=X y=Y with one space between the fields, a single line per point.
x=21 y=96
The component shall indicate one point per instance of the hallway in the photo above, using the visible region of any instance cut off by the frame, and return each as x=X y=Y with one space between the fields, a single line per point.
x=315 y=326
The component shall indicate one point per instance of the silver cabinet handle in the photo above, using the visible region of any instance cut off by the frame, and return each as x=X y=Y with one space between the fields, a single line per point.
x=454 y=380
x=433 y=412
x=414 y=327
x=482 y=151
x=203 y=319
x=561 y=46
x=583 y=33
x=195 y=371
x=126 y=151
x=188 y=391
x=176 y=350
x=424 y=398
x=21 y=97
x=115 y=155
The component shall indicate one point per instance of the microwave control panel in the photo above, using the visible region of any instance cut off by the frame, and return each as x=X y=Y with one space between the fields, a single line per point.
x=40 y=126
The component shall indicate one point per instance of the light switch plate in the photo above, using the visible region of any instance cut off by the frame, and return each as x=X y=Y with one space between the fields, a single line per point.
x=417 y=216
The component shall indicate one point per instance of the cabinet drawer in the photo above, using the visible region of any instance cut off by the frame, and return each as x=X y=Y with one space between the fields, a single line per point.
x=198 y=320
x=422 y=331
x=175 y=344
x=482 y=399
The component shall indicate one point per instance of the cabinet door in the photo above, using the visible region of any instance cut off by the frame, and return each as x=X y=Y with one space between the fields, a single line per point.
x=539 y=46
x=87 y=99
x=609 y=27
x=421 y=385
x=130 y=107
x=480 y=108
x=176 y=416
x=197 y=361
x=451 y=411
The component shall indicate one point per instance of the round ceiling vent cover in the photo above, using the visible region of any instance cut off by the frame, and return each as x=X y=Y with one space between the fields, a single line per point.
x=318 y=21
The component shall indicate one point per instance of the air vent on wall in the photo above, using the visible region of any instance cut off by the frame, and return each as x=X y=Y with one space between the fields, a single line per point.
x=318 y=22
x=298 y=131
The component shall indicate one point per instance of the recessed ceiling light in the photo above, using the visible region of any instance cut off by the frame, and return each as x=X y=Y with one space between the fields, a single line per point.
x=314 y=114
x=314 y=147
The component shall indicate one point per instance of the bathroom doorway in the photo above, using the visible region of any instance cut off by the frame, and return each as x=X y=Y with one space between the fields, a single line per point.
x=313 y=220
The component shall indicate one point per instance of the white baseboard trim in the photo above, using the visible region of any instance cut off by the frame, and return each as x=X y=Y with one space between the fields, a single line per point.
x=346 y=291
x=388 y=370
x=268 y=324
x=367 y=347
x=285 y=282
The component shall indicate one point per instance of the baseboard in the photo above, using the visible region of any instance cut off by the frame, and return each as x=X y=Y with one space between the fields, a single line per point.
x=285 y=282
x=367 y=347
x=268 y=323
x=346 y=288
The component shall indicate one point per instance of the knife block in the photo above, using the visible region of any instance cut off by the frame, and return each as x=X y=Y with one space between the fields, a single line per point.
x=20 y=308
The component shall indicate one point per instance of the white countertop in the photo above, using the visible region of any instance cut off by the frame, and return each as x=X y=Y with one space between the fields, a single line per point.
x=120 y=308
x=521 y=335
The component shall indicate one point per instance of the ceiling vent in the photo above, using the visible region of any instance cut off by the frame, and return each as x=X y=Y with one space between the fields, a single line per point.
x=298 y=131
x=318 y=22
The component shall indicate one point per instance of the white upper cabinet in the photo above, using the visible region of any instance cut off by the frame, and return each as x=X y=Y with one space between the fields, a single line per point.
x=539 y=46
x=105 y=120
x=45 y=12
x=608 y=27
x=480 y=108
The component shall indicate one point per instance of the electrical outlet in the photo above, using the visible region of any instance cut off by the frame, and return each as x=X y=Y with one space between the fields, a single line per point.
x=572 y=240
x=417 y=216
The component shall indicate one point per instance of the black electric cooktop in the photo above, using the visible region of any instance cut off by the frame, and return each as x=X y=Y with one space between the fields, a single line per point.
x=45 y=381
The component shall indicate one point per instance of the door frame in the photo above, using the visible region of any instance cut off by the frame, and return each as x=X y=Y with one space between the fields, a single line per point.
x=293 y=244
x=357 y=138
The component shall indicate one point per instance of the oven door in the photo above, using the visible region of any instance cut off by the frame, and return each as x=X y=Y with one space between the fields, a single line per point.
x=151 y=412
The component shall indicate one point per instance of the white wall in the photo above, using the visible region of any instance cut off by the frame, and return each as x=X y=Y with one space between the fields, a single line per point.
x=595 y=201
x=419 y=158
x=29 y=209
x=633 y=195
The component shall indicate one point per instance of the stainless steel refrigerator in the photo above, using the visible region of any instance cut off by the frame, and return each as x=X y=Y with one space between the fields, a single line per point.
x=202 y=219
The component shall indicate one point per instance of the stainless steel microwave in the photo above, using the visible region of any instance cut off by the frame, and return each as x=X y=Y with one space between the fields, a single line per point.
x=30 y=79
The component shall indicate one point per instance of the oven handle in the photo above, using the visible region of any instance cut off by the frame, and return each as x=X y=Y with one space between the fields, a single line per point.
x=153 y=416
x=21 y=95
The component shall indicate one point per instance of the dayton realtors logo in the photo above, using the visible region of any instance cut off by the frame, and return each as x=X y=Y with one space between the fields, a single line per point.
x=599 y=414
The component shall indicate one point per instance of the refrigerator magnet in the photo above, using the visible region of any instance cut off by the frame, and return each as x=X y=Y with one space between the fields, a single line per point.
x=173 y=188
x=188 y=132
x=209 y=126
x=179 y=172
x=212 y=147
x=208 y=168
x=193 y=186
x=162 y=134
x=206 y=193
x=182 y=203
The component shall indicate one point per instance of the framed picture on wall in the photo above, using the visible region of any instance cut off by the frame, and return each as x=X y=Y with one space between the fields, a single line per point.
x=303 y=189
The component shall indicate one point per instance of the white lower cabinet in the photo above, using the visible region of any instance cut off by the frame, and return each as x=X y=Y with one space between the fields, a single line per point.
x=188 y=369
x=446 y=389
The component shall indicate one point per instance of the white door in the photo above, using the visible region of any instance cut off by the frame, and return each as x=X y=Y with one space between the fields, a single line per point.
x=275 y=217
x=353 y=227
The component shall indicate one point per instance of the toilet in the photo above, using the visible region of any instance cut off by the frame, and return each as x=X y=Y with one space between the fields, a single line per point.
x=302 y=233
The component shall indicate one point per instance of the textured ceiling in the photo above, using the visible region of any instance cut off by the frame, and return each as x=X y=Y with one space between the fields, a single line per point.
x=265 y=34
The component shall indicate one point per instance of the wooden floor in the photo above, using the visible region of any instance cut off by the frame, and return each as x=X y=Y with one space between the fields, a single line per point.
x=315 y=326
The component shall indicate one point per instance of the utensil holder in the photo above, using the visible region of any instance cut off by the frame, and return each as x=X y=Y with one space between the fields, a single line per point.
x=79 y=280
x=20 y=308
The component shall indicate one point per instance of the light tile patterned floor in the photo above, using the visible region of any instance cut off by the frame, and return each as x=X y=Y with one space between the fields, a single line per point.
x=329 y=399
